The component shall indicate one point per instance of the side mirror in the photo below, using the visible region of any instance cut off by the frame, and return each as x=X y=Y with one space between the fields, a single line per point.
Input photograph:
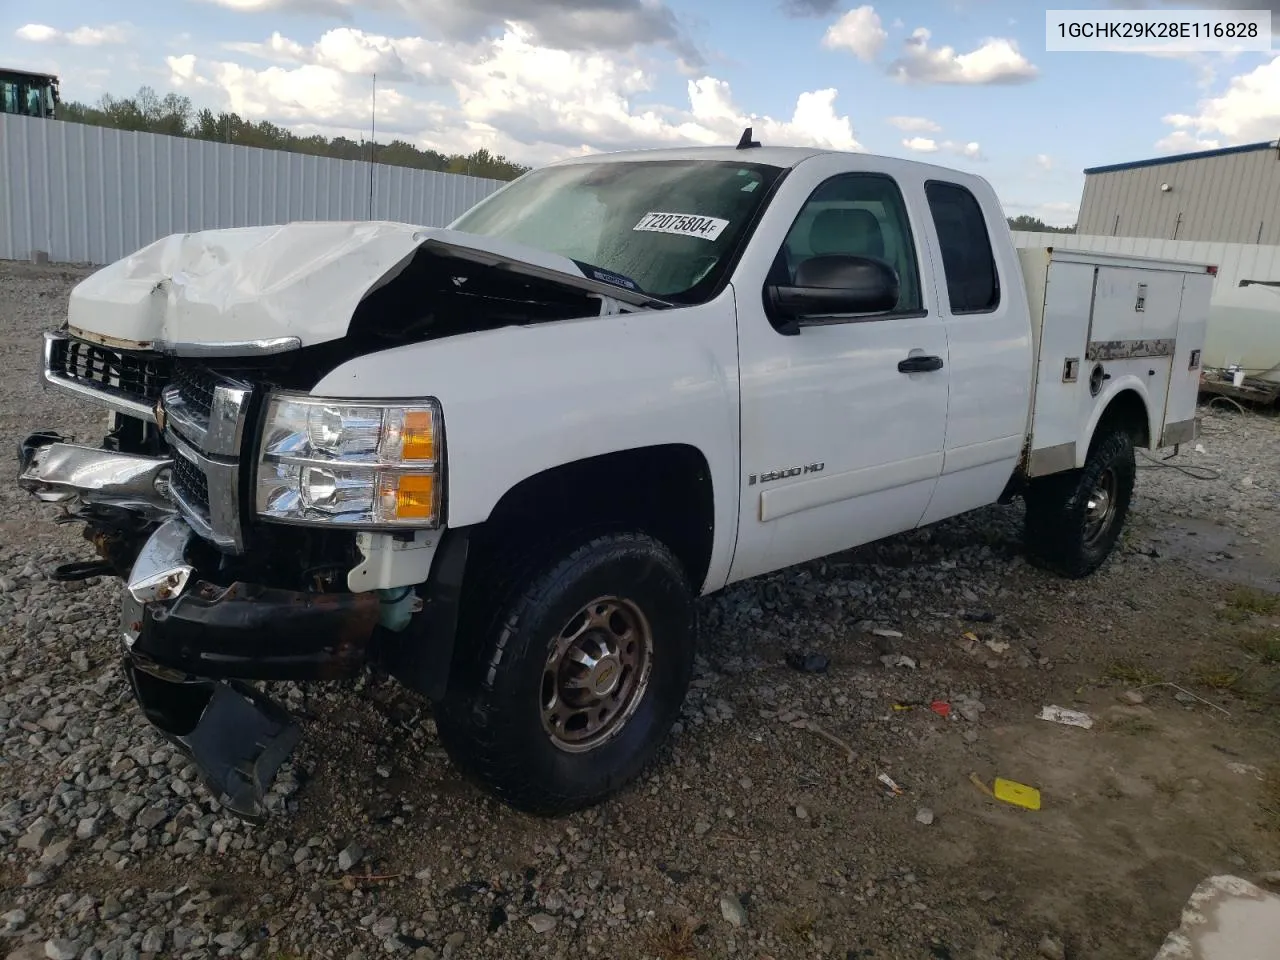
x=831 y=286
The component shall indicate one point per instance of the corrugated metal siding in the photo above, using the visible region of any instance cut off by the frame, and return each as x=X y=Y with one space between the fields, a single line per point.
x=1244 y=322
x=1226 y=199
x=93 y=194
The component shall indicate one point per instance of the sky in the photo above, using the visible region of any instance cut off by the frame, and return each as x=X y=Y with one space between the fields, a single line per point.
x=964 y=83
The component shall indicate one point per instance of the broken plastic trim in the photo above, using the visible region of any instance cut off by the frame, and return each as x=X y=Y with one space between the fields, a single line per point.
x=237 y=737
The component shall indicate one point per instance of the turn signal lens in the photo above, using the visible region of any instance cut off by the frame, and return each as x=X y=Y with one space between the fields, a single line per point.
x=408 y=496
x=418 y=439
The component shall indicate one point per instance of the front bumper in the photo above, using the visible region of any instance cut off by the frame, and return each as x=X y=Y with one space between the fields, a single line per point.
x=177 y=620
x=187 y=639
x=193 y=633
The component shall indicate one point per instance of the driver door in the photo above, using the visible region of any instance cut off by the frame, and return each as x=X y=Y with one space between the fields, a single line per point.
x=842 y=425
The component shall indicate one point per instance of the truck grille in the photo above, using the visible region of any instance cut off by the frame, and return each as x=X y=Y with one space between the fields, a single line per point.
x=196 y=386
x=128 y=382
x=200 y=413
x=191 y=485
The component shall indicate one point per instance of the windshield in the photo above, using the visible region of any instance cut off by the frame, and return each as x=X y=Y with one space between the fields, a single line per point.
x=666 y=227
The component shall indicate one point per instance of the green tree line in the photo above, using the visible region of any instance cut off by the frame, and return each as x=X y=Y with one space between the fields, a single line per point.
x=175 y=116
x=1036 y=225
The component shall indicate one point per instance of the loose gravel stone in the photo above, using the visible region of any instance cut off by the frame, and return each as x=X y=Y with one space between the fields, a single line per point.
x=542 y=923
x=733 y=911
x=350 y=856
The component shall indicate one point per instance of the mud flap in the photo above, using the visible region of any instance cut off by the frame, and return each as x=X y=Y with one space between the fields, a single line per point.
x=236 y=736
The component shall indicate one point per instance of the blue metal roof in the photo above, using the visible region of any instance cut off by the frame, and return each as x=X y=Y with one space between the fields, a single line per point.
x=1179 y=157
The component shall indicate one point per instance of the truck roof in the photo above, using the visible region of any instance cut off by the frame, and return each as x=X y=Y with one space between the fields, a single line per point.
x=773 y=156
x=785 y=157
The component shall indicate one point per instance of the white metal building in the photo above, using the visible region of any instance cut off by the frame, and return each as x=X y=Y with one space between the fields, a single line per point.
x=1230 y=195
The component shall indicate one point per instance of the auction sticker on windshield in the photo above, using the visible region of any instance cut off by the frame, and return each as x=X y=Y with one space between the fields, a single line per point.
x=684 y=224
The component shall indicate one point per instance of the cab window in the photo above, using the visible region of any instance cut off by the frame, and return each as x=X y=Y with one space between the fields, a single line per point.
x=973 y=286
x=857 y=214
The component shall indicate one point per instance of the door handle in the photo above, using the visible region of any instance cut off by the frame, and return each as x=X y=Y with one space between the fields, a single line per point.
x=919 y=364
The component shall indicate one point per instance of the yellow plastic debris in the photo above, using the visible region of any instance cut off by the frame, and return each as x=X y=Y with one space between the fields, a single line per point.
x=1018 y=794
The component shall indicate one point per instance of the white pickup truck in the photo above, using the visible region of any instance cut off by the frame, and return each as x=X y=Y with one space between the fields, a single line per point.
x=501 y=460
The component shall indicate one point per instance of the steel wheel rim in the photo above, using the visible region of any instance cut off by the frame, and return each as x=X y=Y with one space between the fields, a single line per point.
x=596 y=674
x=1100 y=507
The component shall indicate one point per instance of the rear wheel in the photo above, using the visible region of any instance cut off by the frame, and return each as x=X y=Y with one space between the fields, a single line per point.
x=577 y=677
x=1075 y=518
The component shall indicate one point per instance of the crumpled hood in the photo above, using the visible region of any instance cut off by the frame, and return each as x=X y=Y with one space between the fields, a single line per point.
x=297 y=283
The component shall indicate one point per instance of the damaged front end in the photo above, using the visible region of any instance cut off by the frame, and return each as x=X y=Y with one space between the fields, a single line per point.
x=264 y=533
x=187 y=639
x=192 y=635
x=211 y=600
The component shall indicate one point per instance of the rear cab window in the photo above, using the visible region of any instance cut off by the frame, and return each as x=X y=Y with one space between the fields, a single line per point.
x=973 y=284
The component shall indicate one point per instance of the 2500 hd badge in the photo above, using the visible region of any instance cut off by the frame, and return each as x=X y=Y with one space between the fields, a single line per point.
x=753 y=478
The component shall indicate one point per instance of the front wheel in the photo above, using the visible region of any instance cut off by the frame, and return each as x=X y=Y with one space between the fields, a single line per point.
x=578 y=678
x=1075 y=518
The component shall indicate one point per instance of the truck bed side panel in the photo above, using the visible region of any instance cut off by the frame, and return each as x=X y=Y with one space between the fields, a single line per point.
x=1064 y=336
x=1184 y=378
x=1112 y=324
x=1132 y=334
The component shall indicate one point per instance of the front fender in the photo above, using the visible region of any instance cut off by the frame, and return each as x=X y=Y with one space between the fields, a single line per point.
x=1113 y=388
x=522 y=399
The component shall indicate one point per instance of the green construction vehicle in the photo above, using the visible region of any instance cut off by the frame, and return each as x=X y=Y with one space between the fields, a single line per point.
x=28 y=94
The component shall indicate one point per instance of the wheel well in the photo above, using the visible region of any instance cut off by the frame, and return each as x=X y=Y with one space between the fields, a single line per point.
x=1128 y=412
x=664 y=491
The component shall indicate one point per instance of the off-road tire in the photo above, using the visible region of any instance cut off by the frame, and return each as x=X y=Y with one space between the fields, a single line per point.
x=490 y=722
x=1058 y=518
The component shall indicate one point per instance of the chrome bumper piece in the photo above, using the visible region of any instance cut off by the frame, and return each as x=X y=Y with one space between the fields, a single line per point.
x=67 y=472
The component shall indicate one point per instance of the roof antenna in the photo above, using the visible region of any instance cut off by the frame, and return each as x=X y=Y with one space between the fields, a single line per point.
x=746 y=142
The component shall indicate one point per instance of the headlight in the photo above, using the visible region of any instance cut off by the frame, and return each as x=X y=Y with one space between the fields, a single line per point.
x=350 y=463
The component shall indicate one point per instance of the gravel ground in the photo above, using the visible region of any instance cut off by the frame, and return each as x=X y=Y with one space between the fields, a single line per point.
x=762 y=832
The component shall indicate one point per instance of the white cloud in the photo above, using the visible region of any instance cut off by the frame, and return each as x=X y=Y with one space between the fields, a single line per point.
x=921 y=145
x=1180 y=141
x=858 y=31
x=348 y=50
x=970 y=150
x=79 y=37
x=1247 y=111
x=566 y=24
x=1044 y=162
x=914 y=124
x=996 y=61
x=512 y=96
